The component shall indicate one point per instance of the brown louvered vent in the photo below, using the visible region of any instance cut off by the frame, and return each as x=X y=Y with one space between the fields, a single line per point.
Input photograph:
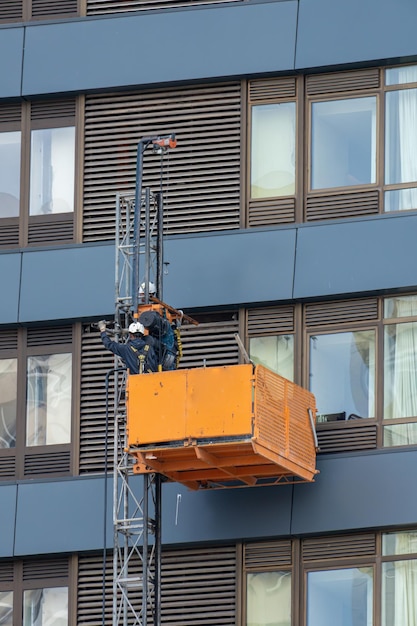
x=101 y=7
x=54 y=335
x=343 y=205
x=202 y=174
x=48 y=568
x=320 y=548
x=10 y=113
x=326 y=313
x=270 y=321
x=46 y=463
x=272 y=89
x=342 y=81
x=8 y=340
x=6 y=572
x=11 y=10
x=90 y=589
x=52 y=8
x=272 y=211
x=7 y=466
x=199 y=587
x=53 y=109
x=95 y=363
x=210 y=344
x=363 y=437
x=9 y=234
x=268 y=554
x=56 y=229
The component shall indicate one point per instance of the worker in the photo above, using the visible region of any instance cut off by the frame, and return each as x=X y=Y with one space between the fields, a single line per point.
x=138 y=353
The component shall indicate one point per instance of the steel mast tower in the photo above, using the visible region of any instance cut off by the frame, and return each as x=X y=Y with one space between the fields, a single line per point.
x=136 y=516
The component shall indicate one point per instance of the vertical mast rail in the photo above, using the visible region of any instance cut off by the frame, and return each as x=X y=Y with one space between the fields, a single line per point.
x=136 y=512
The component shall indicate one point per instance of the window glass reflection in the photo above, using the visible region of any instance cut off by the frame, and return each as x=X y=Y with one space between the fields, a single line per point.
x=268 y=599
x=52 y=171
x=9 y=174
x=342 y=374
x=343 y=143
x=48 y=409
x=45 y=607
x=8 y=398
x=274 y=352
x=342 y=596
x=273 y=150
x=6 y=608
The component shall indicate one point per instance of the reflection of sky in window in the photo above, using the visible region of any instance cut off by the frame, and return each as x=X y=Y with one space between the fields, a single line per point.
x=342 y=370
x=340 y=597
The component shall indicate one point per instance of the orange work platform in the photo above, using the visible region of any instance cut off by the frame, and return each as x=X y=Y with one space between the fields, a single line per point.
x=217 y=427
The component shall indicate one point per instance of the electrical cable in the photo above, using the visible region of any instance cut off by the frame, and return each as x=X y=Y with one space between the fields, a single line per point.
x=106 y=447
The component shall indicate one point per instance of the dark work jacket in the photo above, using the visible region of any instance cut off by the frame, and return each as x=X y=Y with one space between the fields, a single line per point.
x=129 y=356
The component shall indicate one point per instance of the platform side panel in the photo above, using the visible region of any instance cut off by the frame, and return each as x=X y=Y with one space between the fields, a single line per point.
x=282 y=422
x=156 y=407
x=199 y=403
x=219 y=401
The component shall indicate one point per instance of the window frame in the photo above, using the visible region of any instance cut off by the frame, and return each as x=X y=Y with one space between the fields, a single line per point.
x=22 y=453
x=34 y=230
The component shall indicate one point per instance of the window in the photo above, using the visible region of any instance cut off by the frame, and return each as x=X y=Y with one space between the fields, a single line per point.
x=340 y=596
x=343 y=143
x=268 y=598
x=45 y=606
x=10 y=147
x=275 y=352
x=48 y=400
x=52 y=171
x=400 y=371
x=34 y=593
x=36 y=407
x=342 y=374
x=37 y=173
x=273 y=150
x=401 y=127
x=361 y=159
x=8 y=402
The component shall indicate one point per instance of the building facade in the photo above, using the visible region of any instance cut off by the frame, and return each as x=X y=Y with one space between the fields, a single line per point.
x=290 y=209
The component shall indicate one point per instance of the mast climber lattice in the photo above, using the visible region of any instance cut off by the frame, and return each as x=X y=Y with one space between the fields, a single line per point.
x=136 y=517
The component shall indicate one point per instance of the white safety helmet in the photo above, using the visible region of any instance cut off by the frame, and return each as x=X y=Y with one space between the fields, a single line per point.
x=152 y=289
x=136 y=327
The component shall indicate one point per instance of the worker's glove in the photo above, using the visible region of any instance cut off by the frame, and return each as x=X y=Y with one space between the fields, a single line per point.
x=101 y=326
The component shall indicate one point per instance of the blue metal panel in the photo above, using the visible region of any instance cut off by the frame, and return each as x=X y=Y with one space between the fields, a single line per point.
x=358 y=31
x=11 y=55
x=68 y=515
x=236 y=514
x=358 y=491
x=67 y=283
x=7 y=519
x=230 y=268
x=356 y=256
x=9 y=287
x=153 y=48
x=63 y=516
